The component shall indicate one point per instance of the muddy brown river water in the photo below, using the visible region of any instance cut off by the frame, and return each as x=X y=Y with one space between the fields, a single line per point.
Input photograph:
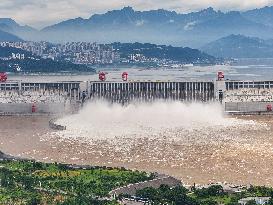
x=240 y=155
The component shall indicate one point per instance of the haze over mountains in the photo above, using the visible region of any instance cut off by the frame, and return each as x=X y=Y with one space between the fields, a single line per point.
x=5 y=36
x=239 y=46
x=10 y=26
x=156 y=26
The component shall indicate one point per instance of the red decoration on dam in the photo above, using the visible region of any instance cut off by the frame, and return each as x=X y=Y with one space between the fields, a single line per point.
x=124 y=76
x=33 y=108
x=221 y=75
x=102 y=76
x=3 y=77
x=269 y=108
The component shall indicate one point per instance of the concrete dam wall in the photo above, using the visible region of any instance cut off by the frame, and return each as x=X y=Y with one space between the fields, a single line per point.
x=26 y=108
x=247 y=107
x=47 y=98
x=59 y=97
x=123 y=92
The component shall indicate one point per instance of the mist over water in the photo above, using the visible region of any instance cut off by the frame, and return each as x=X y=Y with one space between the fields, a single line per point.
x=102 y=120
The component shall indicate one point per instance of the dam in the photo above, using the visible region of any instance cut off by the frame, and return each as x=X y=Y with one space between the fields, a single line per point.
x=17 y=97
x=63 y=96
x=125 y=92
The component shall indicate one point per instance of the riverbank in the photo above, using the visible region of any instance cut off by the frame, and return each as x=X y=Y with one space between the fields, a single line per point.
x=239 y=155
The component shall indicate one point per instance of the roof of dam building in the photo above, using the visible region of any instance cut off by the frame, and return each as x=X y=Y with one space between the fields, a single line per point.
x=97 y=81
x=39 y=81
x=116 y=75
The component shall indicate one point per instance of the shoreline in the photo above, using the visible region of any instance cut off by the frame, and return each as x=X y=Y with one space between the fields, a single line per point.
x=191 y=161
x=158 y=176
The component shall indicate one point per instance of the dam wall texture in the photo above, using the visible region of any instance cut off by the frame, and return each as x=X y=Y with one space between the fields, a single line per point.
x=39 y=97
x=247 y=107
x=26 y=108
x=235 y=85
x=248 y=96
x=124 y=92
x=72 y=88
x=63 y=97
x=236 y=96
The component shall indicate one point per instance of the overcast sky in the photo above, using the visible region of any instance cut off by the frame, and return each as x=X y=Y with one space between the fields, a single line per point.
x=39 y=13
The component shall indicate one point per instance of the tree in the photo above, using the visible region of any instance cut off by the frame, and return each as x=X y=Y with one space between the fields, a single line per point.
x=251 y=202
x=214 y=190
x=34 y=201
x=28 y=182
x=209 y=202
x=4 y=181
x=150 y=193
x=270 y=202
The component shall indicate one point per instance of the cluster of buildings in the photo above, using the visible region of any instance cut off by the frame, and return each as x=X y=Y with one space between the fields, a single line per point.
x=14 y=56
x=85 y=53
x=88 y=54
x=140 y=58
x=76 y=52
x=19 y=56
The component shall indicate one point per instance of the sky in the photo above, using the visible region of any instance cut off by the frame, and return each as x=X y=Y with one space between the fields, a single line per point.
x=40 y=13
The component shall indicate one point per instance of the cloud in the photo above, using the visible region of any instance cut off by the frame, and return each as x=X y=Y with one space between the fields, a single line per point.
x=189 y=26
x=140 y=23
x=39 y=13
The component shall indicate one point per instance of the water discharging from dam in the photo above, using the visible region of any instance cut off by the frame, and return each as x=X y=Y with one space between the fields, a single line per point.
x=195 y=142
x=100 y=120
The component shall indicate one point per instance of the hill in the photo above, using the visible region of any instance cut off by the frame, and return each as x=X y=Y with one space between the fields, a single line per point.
x=159 y=26
x=262 y=15
x=12 y=27
x=31 y=63
x=231 y=23
x=29 y=182
x=150 y=51
x=42 y=65
x=7 y=51
x=193 y=29
x=239 y=46
x=5 y=36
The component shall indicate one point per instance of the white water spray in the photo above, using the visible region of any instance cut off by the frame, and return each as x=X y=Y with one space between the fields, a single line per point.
x=101 y=120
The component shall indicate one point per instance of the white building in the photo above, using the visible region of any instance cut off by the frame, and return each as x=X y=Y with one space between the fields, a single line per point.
x=258 y=200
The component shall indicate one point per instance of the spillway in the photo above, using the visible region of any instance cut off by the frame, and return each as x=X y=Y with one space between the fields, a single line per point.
x=50 y=97
x=124 y=92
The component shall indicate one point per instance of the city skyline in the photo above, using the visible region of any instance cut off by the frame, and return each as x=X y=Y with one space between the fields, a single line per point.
x=39 y=13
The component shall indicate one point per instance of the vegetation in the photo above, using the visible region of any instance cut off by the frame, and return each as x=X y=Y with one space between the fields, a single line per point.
x=213 y=195
x=5 y=36
x=27 y=182
x=30 y=183
x=179 y=54
x=33 y=63
x=42 y=65
x=239 y=46
x=7 y=51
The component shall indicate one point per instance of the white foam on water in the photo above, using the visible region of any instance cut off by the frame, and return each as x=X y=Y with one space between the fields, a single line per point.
x=100 y=120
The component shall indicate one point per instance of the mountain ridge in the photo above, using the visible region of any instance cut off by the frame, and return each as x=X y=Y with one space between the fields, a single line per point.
x=5 y=36
x=159 y=26
x=239 y=46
